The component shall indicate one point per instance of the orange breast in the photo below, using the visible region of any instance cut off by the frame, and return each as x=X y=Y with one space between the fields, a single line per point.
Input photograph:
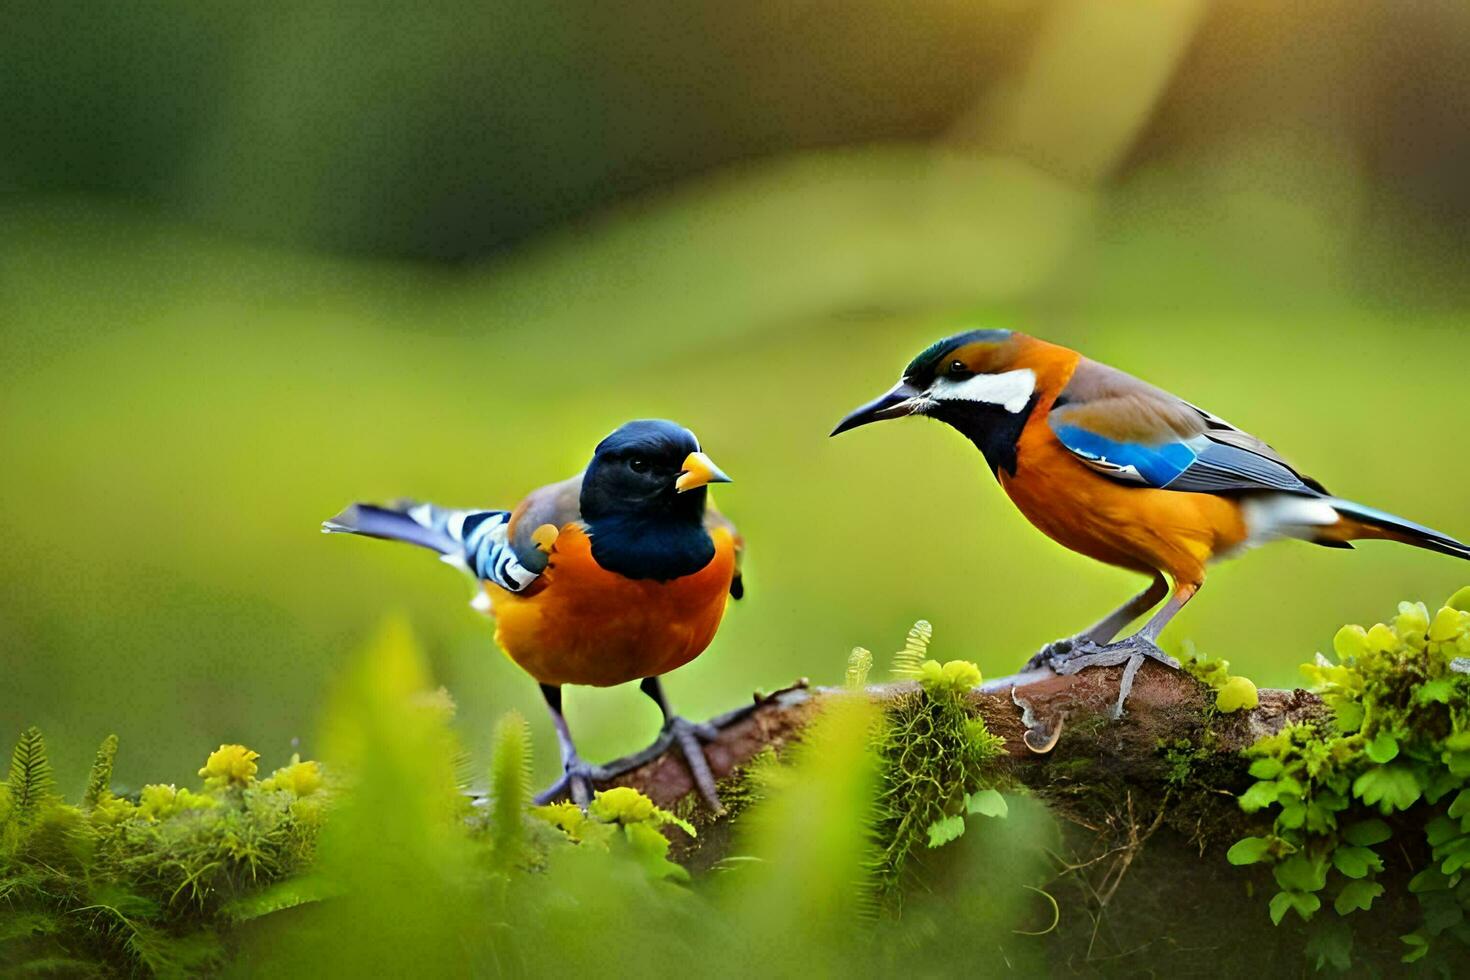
x=582 y=624
x=1132 y=527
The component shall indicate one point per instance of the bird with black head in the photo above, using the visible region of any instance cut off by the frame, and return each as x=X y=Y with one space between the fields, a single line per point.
x=620 y=573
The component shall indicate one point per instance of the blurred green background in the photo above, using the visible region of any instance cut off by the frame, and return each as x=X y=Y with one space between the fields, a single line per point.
x=257 y=261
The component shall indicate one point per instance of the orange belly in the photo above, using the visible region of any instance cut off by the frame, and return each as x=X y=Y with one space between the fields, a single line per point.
x=581 y=624
x=1138 y=528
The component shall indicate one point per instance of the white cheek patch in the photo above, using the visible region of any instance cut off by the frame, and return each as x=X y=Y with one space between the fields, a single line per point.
x=1011 y=390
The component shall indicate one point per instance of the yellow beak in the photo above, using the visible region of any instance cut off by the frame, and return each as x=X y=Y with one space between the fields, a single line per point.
x=699 y=470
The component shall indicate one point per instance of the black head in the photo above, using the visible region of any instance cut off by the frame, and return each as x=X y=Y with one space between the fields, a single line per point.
x=651 y=468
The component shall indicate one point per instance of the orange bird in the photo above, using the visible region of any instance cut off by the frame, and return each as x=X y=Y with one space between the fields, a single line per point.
x=1124 y=473
x=620 y=573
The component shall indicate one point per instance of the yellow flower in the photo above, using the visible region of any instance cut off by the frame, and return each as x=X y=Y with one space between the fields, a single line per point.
x=1447 y=625
x=1381 y=639
x=229 y=765
x=621 y=804
x=1350 y=642
x=1236 y=694
x=300 y=778
x=565 y=816
x=159 y=801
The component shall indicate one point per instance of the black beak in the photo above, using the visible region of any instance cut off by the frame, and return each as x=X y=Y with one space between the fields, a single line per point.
x=898 y=401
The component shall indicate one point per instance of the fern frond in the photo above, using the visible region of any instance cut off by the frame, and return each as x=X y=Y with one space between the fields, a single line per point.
x=906 y=662
x=31 y=779
x=99 y=784
x=859 y=662
x=510 y=788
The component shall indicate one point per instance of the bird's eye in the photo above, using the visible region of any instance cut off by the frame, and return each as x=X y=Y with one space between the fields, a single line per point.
x=638 y=464
x=958 y=366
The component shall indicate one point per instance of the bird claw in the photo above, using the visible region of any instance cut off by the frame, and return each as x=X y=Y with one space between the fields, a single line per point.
x=687 y=737
x=576 y=782
x=1054 y=653
x=1085 y=653
x=1129 y=652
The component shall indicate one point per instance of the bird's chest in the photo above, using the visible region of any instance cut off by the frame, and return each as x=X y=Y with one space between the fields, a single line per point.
x=1134 y=527
x=584 y=624
x=1078 y=508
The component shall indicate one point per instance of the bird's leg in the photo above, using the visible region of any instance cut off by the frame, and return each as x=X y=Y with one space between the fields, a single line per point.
x=686 y=735
x=576 y=776
x=1057 y=652
x=1131 y=651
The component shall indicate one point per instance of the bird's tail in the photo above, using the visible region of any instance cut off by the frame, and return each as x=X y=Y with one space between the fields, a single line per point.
x=1359 y=521
x=436 y=528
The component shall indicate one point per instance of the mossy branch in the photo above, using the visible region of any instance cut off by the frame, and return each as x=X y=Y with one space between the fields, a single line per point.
x=1068 y=716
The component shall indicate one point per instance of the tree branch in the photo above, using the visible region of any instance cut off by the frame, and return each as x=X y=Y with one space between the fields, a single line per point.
x=1042 y=716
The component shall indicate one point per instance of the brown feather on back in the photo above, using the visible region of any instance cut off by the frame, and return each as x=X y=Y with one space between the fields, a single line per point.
x=1119 y=406
x=555 y=503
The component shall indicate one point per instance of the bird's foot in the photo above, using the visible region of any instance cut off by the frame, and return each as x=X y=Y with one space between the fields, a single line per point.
x=1130 y=652
x=576 y=782
x=688 y=736
x=1054 y=654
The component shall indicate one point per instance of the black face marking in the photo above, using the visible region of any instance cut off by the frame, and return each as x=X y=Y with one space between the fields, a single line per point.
x=991 y=428
x=640 y=525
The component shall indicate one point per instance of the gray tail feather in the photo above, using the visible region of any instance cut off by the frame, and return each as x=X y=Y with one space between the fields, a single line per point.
x=391 y=524
x=1404 y=529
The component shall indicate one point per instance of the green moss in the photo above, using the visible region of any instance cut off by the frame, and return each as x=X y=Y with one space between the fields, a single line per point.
x=934 y=755
x=1232 y=692
x=1390 y=767
x=124 y=885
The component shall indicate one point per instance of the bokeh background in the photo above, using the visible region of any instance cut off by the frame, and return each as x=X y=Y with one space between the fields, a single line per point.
x=259 y=260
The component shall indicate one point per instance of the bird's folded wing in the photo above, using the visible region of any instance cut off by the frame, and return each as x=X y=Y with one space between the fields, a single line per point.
x=1133 y=432
x=714 y=519
x=555 y=506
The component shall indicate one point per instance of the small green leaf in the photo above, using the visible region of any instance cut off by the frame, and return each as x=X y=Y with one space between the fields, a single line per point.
x=1428 y=880
x=1390 y=787
x=1418 y=946
x=987 y=803
x=1300 y=873
x=1441 y=912
x=1441 y=830
x=1461 y=806
x=1306 y=905
x=1356 y=862
x=1331 y=942
x=1383 y=748
x=1356 y=896
x=941 y=832
x=1348 y=715
x=1248 y=850
x=1292 y=816
x=1366 y=833
x=1267 y=768
x=1439 y=691
x=1259 y=796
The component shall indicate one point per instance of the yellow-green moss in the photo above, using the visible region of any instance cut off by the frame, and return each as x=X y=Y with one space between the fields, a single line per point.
x=1396 y=744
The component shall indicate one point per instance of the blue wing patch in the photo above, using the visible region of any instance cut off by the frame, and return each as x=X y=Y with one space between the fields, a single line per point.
x=1197 y=465
x=1131 y=462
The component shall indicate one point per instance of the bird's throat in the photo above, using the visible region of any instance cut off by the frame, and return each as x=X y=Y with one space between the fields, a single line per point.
x=992 y=429
x=643 y=547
